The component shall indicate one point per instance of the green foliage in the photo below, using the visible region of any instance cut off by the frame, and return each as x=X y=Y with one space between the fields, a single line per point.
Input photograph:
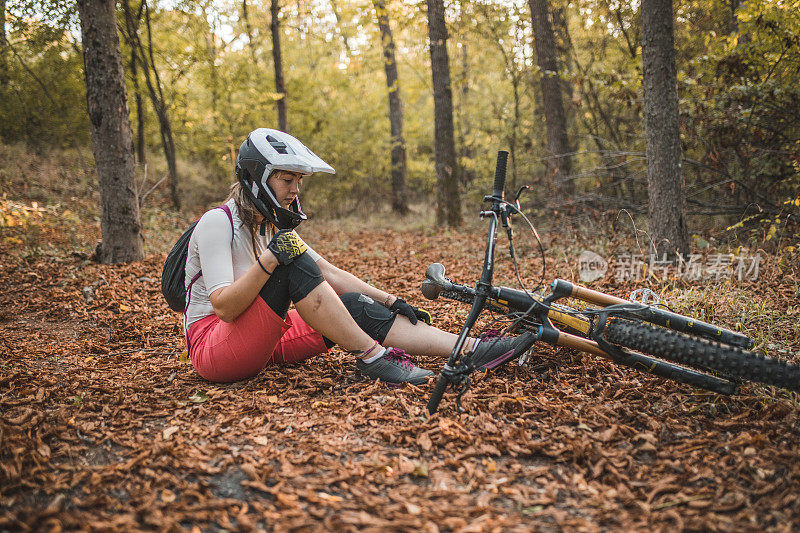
x=44 y=103
x=737 y=72
x=740 y=102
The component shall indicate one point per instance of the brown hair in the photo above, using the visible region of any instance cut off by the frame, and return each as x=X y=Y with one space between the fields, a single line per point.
x=250 y=216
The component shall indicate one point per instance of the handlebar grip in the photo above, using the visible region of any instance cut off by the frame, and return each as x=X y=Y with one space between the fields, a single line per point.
x=436 y=395
x=500 y=174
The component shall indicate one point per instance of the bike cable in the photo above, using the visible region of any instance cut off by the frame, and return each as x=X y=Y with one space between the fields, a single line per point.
x=516 y=318
x=521 y=316
x=516 y=210
x=634 y=306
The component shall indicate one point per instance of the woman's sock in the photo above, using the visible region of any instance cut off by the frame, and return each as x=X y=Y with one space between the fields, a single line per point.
x=373 y=353
x=376 y=354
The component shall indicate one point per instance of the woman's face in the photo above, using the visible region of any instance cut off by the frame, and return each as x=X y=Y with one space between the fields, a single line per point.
x=286 y=186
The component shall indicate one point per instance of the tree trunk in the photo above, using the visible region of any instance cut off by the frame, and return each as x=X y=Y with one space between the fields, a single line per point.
x=510 y=64
x=467 y=174
x=211 y=53
x=4 y=76
x=461 y=110
x=110 y=125
x=512 y=138
x=160 y=107
x=132 y=31
x=664 y=182
x=448 y=202
x=399 y=201
x=280 y=85
x=140 y=111
x=248 y=28
x=559 y=162
x=3 y=49
x=168 y=143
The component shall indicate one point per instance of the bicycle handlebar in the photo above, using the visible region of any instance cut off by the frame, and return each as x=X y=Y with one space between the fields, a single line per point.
x=500 y=174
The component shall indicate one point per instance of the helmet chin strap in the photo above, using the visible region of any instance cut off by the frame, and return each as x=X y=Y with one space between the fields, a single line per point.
x=262 y=230
x=267 y=204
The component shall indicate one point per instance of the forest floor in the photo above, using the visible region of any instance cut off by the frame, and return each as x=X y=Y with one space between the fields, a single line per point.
x=102 y=427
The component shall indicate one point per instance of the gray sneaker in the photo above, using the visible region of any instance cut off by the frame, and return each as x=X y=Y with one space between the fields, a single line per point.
x=394 y=367
x=494 y=350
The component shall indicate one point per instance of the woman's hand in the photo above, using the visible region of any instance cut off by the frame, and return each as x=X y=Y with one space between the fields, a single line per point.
x=286 y=245
x=343 y=281
x=401 y=307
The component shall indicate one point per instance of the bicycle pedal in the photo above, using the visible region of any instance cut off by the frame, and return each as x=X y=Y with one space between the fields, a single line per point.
x=525 y=357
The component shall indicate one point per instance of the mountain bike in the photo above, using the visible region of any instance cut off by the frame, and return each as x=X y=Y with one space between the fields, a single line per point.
x=635 y=333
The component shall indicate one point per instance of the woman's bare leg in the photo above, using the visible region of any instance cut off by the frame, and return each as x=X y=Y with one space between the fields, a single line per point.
x=324 y=312
x=421 y=339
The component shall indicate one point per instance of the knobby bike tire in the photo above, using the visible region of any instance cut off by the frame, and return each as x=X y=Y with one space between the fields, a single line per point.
x=701 y=353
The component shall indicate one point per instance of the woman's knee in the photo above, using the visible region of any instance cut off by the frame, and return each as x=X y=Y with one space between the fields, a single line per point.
x=304 y=277
x=291 y=283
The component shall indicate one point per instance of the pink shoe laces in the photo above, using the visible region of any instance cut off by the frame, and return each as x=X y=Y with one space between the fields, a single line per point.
x=399 y=356
x=490 y=334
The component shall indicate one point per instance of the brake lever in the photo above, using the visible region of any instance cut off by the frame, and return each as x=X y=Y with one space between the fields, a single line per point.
x=519 y=193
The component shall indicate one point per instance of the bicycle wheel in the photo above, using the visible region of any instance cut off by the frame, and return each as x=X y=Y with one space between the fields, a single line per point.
x=703 y=354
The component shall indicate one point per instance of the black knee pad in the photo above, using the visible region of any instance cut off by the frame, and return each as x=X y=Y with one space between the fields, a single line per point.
x=372 y=317
x=304 y=277
x=291 y=283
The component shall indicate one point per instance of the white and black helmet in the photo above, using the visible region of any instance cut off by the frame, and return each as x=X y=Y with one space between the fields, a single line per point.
x=266 y=150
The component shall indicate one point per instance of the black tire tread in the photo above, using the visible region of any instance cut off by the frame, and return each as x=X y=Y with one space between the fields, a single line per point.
x=700 y=353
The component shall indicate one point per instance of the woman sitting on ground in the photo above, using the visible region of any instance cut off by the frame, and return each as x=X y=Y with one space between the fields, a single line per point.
x=253 y=266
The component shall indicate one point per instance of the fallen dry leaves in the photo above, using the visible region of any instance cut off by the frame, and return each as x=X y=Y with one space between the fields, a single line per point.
x=103 y=428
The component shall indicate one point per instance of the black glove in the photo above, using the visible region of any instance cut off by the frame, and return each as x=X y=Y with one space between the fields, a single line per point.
x=286 y=245
x=412 y=313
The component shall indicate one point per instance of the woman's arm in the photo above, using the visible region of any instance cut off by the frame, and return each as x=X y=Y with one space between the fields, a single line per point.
x=229 y=297
x=232 y=300
x=343 y=281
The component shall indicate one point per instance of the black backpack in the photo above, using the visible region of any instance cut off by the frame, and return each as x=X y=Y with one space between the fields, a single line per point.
x=174 y=274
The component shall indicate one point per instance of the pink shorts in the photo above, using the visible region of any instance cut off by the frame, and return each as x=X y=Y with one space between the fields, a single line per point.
x=224 y=352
